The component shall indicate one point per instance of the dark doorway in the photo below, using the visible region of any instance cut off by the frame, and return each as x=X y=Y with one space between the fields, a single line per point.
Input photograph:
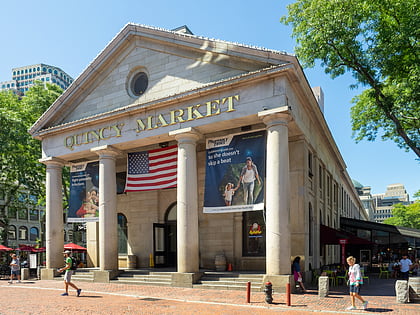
x=165 y=240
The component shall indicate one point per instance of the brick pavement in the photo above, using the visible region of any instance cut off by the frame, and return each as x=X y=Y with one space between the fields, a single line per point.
x=43 y=297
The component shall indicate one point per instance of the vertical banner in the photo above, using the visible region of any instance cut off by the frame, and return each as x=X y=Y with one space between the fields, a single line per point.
x=84 y=193
x=235 y=173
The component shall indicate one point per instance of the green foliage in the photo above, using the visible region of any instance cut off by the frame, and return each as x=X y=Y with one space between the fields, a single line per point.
x=19 y=166
x=377 y=41
x=407 y=216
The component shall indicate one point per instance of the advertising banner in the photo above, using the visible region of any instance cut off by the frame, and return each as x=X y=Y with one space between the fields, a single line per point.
x=84 y=193
x=235 y=173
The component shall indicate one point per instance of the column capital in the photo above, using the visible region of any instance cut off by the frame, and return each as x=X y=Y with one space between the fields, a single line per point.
x=276 y=116
x=104 y=150
x=53 y=161
x=186 y=135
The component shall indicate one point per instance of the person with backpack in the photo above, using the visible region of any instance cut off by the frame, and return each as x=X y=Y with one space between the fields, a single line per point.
x=71 y=265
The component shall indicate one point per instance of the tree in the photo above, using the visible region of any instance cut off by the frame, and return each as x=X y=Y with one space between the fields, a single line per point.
x=19 y=166
x=377 y=41
x=407 y=216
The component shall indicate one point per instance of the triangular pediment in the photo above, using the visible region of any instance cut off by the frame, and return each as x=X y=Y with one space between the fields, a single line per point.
x=172 y=63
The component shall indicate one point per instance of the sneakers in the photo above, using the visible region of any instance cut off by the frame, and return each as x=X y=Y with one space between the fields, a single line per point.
x=78 y=292
x=10 y=282
x=350 y=308
x=18 y=281
x=365 y=305
x=64 y=294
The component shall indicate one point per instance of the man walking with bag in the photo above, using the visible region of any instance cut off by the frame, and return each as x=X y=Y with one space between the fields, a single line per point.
x=68 y=274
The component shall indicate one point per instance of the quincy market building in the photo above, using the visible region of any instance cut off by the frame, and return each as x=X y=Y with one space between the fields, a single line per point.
x=257 y=172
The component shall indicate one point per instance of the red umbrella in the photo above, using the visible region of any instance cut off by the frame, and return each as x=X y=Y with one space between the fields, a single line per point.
x=75 y=247
x=25 y=248
x=5 y=248
x=39 y=250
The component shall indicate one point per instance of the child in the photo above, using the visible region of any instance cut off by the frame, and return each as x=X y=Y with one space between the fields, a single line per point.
x=229 y=192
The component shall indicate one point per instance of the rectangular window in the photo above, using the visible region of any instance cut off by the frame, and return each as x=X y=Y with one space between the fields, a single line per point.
x=34 y=214
x=11 y=212
x=23 y=214
x=253 y=233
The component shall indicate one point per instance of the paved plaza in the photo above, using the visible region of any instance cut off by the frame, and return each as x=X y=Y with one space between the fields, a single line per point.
x=43 y=297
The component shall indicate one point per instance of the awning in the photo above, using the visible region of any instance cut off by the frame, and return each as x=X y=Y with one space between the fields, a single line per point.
x=74 y=247
x=331 y=236
x=5 y=248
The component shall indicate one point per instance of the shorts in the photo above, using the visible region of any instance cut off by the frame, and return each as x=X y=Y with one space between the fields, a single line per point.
x=355 y=288
x=67 y=276
x=15 y=272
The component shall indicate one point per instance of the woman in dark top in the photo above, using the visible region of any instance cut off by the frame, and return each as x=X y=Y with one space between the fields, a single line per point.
x=296 y=273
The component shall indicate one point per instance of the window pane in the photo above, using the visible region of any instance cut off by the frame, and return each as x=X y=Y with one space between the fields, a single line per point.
x=23 y=233
x=34 y=234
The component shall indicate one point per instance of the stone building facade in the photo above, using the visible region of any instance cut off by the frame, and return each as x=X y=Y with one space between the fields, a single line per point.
x=151 y=88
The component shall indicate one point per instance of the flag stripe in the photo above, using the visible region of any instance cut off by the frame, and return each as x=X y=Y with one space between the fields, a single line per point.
x=155 y=169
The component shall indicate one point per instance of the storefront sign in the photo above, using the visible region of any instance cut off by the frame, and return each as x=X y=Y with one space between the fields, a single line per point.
x=181 y=115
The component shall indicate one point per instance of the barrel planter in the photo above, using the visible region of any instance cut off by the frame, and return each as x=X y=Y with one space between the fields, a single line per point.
x=220 y=262
x=414 y=289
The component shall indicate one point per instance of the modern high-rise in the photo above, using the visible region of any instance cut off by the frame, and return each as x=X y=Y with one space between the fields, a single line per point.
x=384 y=203
x=24 y=77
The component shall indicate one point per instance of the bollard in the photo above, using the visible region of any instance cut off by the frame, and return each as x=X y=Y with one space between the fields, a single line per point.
x=288 y=296
x=248 y=292
x=268 y=292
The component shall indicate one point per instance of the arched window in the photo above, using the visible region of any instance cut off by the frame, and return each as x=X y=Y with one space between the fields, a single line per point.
x=122 y=234
x=33 y=234
x=170 y=215
x=12 y=232
x=23 y=233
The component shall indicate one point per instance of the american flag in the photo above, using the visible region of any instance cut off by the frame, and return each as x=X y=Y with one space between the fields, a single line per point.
x=151 y=170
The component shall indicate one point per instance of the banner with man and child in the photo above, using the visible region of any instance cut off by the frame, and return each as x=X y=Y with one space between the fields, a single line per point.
x=235 y=173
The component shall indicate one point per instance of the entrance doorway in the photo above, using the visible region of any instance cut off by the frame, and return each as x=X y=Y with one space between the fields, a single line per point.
x=165 y=240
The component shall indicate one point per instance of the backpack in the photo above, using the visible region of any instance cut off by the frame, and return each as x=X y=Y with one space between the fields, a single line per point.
x=74 y=263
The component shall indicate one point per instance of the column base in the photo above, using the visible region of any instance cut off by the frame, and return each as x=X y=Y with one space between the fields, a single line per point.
x=48 y=273
x=279 y=282
x=104 y=276
x=185 y=279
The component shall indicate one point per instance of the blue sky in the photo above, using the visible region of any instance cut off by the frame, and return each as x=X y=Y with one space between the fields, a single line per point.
x=69 y=34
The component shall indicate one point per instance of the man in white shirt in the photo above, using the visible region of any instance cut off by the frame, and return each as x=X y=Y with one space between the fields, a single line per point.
x=405 y=264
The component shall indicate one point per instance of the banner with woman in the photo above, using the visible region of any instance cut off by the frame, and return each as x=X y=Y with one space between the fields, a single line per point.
x=84 y=193
x=235 y=173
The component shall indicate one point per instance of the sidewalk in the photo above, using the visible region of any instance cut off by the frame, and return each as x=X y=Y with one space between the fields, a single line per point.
x=43 y=297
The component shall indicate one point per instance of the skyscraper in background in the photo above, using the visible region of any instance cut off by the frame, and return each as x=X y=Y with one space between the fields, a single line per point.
x=24 y=77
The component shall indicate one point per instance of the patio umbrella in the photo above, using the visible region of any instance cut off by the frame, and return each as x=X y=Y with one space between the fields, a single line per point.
x=25 y=248
x=39 y=250
x=5 y=248
x=74 y=247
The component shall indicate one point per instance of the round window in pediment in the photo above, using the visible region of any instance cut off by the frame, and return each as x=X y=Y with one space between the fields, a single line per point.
x=139 y=83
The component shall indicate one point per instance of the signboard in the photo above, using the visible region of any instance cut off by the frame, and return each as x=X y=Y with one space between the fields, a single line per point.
x=235 y=173
x=84 y=193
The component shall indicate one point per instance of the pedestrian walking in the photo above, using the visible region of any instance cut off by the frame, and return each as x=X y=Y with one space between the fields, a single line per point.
x=297 y=274
x=68 y=274
x=355 y=282
x=14 y=268
x=406 y=264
